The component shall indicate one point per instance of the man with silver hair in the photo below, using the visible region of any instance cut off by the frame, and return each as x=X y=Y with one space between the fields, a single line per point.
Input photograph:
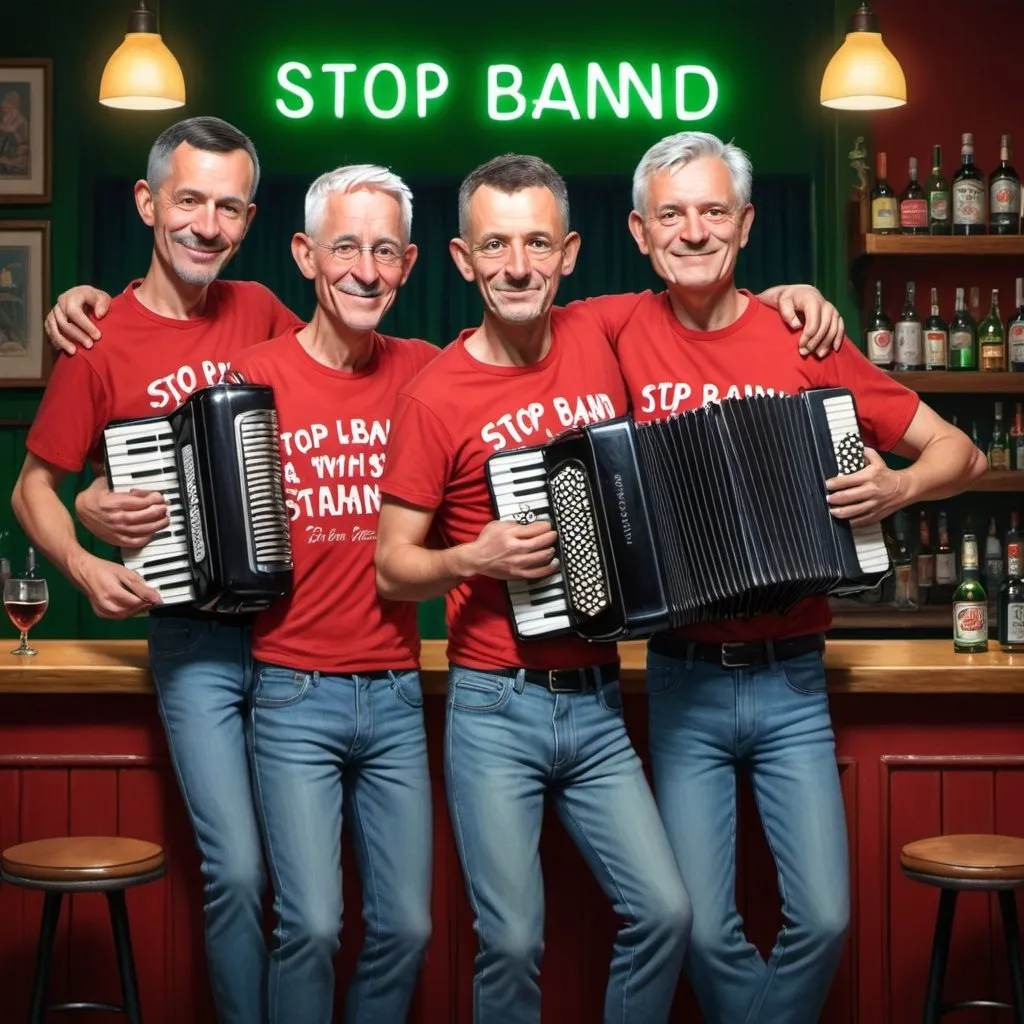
x=751 y=694
x=337 y=715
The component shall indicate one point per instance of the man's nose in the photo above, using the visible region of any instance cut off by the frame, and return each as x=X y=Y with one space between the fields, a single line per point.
x=692 y=228
x=518 y=264
x=205 y=223
x=365 y=267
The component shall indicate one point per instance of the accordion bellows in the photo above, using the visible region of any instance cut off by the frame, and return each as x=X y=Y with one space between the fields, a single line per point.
x=718 y=513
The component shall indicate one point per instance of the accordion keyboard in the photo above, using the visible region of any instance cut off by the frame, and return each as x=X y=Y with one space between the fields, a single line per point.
x=141 y=456
x=518 y=485
x=266 y=515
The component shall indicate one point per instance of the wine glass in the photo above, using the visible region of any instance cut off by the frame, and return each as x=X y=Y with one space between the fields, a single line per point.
x=25 y=601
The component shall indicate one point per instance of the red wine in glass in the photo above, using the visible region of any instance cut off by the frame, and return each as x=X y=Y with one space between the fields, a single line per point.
x=25 y=614
x=25 y=601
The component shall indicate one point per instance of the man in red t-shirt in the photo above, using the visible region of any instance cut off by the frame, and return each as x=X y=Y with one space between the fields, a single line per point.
x=752 y=693
x=337 y=684
x=171 y=333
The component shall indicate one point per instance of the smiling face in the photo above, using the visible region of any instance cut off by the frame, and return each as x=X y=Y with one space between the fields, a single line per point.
x=359 y=257
x=200 y=211
x=694 y=227
x=516 y=250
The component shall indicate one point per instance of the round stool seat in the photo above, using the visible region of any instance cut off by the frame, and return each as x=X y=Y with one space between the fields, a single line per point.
x=976 y=857
x=78 y=859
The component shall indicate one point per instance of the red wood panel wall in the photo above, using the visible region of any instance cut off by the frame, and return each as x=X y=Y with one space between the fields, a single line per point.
x=910 y=767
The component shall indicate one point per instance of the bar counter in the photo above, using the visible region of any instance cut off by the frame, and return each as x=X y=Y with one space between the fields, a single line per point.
x=853 y=666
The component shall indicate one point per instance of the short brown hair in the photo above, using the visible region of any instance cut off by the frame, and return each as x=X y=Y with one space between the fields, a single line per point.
x=512 y=173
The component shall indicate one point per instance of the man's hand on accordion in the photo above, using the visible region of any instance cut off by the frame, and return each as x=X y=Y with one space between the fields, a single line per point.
x=113 y=591
x=512 y=551
x=123 y=520
x=867 y=496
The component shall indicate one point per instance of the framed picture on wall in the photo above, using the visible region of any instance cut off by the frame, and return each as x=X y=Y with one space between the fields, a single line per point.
x=25 y=354
x=26 y=130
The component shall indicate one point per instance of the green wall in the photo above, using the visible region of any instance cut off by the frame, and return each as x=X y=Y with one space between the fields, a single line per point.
x=767 y=60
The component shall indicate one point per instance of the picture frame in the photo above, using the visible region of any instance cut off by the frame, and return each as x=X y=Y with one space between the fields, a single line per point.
x=26 y=130
x=26 y=355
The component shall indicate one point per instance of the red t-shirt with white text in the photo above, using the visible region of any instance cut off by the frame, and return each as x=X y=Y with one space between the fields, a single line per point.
x=147 y=365
x=333 y=430
x=670 y=369
x=460 y=411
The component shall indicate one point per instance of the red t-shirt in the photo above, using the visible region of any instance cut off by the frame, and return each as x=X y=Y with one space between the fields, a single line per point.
x=334 y=428
x=458 y=412
x=670 y=369
x=147 y=365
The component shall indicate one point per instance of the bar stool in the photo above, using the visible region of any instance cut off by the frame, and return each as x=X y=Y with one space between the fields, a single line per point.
x=71 y=864
x=953 y=863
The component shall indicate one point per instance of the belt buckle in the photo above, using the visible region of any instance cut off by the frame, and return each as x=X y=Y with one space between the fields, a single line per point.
x=564 y=689
x=727 y=659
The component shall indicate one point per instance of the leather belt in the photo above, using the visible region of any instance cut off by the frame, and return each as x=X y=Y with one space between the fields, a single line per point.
x=567 y=680
x=739 y=654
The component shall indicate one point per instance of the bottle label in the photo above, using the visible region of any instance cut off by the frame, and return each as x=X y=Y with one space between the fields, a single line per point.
x=880 y=347
x=936 y=344
x=945 y=568
x=968 y=202
x=1017 y=452
x=999 y=458
x=938 y=204
x=961 y=341
x=1014 y=623
x=970 y=622
x=969 y=554
x=1013 y=558
x=994 y=569
x=909 y=348
x=925 y=570
x=883 y=213
x=1016 y=341
x=993 y=356
x=1004 y=196
x=914 y=213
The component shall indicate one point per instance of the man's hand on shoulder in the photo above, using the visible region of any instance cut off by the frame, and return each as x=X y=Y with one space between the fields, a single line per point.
x=68 y=324
x=803 y=304
x=122 y=519
x=113 y=591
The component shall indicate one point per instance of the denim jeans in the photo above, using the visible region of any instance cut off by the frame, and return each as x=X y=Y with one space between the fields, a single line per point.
x=202 y=671
x=321 y=743
x=706 y=723
x=508 y=745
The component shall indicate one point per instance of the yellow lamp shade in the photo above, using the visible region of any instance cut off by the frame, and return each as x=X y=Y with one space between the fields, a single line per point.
x=142 y=74
x=863 y=75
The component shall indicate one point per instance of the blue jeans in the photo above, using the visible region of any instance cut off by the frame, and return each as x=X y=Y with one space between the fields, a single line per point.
x=202 y=672
x=321 y=743
x=508 y=744
x=707 y=722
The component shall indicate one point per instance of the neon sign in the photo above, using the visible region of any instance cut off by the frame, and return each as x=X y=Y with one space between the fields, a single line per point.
x=685 y=92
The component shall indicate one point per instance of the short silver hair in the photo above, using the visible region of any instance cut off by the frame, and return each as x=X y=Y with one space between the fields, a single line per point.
x=675 y=151
x=352 y=178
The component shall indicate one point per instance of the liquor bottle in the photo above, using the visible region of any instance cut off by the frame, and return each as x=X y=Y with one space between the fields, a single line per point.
x=937 y=190
x=975 y=436
x=968 y=192
x=963 y=339
x=991 y=340
x=974 y=303
x=878 y=333
x=909 y=342
x=970 y=606
x=994 y=566
x=1017 y=439
x=903 y=566
x=1011 y=593
x=1004 y=194
x=30 y=563
x=945 y=565
x=913 y=205
x=884 y=205
x=999 y=444
x=1015 y=330
x=936 y=338
x=925 y=560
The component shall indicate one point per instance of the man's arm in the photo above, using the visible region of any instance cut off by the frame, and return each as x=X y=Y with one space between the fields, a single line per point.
x=113 y=591
x=407 y=570
x=945 y=463
x=121 y=519
x=802 y=303
x=68 y=324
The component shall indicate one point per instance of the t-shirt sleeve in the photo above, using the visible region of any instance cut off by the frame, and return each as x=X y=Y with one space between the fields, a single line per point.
x=884 y=406
x=419 y=456
x=610 y=312
x=71 y=417
x=275 y=316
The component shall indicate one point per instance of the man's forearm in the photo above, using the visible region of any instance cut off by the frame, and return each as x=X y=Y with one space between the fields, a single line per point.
x=944 y=468
x=410 y=572
x=49 y=526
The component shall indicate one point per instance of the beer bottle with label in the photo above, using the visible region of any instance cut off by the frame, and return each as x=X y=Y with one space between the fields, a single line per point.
x=991 y=341
x=878 y=333
x=969 y=193
x=884 y=204
x=1011 y=594
x=970 y=606
x=1015 y=330
x=936 y=338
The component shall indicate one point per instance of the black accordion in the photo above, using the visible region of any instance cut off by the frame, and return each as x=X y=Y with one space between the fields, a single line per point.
x=714 y=514
x=217 y=463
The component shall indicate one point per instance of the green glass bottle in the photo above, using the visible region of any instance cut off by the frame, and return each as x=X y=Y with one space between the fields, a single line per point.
x=991 y=339
x=963 y=337
x=937 y=190
x=970 y=605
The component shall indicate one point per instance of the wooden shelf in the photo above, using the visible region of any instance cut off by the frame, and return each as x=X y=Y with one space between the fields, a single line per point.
x=940 y=245
x=1001 y=480
x=961 y=382
x=854 y=615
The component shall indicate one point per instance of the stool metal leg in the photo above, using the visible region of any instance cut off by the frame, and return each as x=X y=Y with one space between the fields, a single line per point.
x=44 y=957
x=125 y=961
x=1011 y=934
x=940 y=954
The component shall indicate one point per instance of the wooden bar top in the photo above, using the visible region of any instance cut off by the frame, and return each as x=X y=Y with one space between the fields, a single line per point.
x=853 y=666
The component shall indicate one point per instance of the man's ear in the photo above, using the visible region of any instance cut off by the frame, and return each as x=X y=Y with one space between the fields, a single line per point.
x=459 y=249
x=745 y=224
x=302 y=253
x=636 y=229
x=408 y=261
x=570 y=250
x=144 y=202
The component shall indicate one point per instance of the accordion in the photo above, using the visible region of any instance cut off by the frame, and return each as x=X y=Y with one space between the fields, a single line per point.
x=717 y=513
x=217 y=463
